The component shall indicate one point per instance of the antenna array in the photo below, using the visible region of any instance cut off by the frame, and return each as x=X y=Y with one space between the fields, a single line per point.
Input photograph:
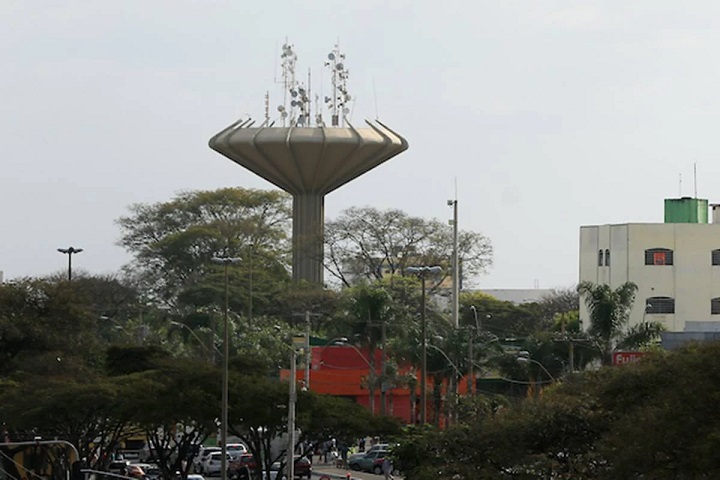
x=297 y=112
x=340 y=96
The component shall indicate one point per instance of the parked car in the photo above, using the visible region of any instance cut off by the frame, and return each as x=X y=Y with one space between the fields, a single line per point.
x=118 y=466
x=242 y=465
x=195 y=476
x=202 y=456
x=235 y=449
x=150 y=470
x=213 y=463
x=357 y=456
x=371 y=462
x=303 y=468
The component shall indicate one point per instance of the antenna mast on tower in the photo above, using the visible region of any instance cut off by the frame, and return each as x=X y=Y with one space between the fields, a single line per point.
x=340 y=96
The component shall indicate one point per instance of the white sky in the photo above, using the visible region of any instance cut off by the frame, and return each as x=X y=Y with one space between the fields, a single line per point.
x=548 y=114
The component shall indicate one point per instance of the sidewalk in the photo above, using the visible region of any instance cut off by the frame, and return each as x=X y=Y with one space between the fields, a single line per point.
x=333 y=473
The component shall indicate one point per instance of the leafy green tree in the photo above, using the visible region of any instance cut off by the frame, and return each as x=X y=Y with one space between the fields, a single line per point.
x=369 y=244
x=47 y=327
x=176 y=406
x=600 y=424
x=85 y=413
x=174 y=241
x=609 y=311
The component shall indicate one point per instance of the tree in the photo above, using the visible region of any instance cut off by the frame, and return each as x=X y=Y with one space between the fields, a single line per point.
x=609 y=312
x=599 y=424
x=558 y=302
x=366 y=243
x=174 y=241
x=87 y=414
x=176 y=406
x=47 y=327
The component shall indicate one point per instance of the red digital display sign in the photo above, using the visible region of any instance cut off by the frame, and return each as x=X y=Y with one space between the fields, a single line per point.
x=621 y=358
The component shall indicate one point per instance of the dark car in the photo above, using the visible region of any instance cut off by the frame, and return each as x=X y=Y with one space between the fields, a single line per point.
x=371 y=462
x=241 y=466
x=303 y=468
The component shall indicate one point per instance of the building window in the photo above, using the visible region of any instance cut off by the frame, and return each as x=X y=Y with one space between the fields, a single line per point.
x=715 y=306
x=607 y=257
x=716 y=257
x=600 y=258
x=660 y=305
x=658 y=256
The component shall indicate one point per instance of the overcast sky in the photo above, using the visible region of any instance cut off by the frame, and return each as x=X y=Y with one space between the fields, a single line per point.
x=548 y=115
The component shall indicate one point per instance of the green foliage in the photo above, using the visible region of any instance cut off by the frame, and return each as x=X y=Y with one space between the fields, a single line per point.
x=609 y=312
x=123 y=360
x=654 y=419
x=174 y=241
x=47 y=327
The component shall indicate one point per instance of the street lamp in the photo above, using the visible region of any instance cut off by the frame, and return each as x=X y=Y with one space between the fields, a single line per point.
x=422 y=272
x=225 y=261
x=523 y=357
x=442 y=352
x=455 y=266
x=343 y=342
x=69 y=252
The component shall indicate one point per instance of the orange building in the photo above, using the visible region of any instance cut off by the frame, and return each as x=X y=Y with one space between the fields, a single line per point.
x=344 y=371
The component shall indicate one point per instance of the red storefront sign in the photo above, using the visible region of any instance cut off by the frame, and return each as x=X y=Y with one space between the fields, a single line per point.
x=621 y=358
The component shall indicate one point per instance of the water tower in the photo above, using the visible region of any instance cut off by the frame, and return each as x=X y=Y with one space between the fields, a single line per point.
x=307 y=157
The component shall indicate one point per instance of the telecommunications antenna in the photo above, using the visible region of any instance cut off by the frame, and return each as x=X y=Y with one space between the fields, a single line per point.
x=337 y=103
x=289 y=60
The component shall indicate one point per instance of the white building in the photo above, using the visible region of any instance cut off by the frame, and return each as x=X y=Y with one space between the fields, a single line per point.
x=676 y=265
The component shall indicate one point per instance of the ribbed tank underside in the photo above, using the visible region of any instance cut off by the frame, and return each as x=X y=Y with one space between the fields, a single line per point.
x=308 y=163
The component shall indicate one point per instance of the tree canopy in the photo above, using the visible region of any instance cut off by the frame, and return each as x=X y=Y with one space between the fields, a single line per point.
x=367 y=243
x=173 y=243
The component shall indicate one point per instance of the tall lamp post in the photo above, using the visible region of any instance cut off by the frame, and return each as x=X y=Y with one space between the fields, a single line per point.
x=422 y=272
x=225 y=262
x=524 y=357
x=69 y=252
x=455 y=266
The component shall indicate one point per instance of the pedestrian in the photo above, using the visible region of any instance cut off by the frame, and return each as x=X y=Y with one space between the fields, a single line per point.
x=361 y=444
x=387 y=468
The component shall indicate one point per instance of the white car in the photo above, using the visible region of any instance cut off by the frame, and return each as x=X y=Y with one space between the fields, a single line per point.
x=236 y=449
x=213 y=463
x=201 y=457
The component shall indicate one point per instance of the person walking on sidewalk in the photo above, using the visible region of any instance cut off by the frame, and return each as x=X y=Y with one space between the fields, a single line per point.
x=387 y=468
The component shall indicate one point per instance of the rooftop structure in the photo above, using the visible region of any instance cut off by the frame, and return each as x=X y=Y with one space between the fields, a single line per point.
x=307 y=157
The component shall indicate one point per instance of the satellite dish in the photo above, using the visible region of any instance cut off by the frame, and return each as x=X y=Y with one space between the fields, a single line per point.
x=302 y=91
x=331 y=56
x=281 y=108
x=294 y=103
x=348 y=97
x=339 y=66
x=346 y=110
x=283 y=114
x=293 y=93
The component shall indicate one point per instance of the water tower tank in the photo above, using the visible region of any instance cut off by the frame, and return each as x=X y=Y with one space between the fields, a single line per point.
x=309 y=161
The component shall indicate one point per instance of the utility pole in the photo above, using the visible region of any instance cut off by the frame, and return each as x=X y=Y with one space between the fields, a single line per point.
x=307 y=354
x=291 y=415
x=383 y=369
x=471 y=371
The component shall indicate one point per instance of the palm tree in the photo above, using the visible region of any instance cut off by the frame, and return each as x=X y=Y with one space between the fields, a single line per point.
x=609 y=314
